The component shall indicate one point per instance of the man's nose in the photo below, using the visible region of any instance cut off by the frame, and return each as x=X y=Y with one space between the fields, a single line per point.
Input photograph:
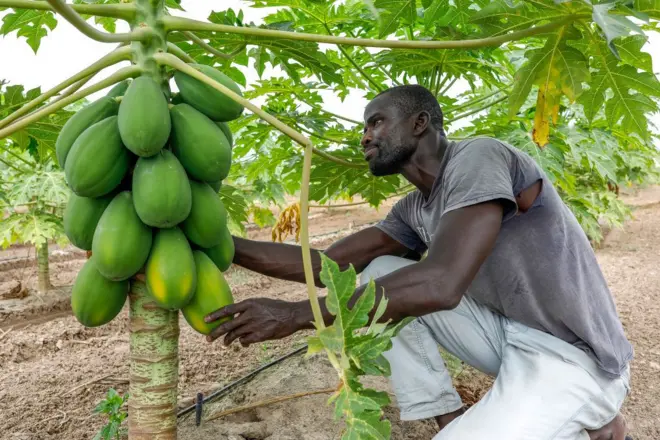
x=366 y=139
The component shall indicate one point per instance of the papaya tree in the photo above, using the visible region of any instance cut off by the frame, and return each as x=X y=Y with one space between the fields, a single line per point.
x=33 y=188
x=566 y=81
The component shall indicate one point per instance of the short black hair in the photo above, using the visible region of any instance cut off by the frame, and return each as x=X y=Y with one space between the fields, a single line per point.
x=413 y=98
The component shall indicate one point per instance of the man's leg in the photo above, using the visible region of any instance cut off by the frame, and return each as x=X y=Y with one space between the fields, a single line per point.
x=421 y=382
x=546 y=389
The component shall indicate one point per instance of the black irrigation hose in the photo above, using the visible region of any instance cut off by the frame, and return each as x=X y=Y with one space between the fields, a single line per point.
x=197 y=405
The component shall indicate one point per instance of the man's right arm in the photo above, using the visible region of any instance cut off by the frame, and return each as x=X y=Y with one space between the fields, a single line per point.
x=284 y=261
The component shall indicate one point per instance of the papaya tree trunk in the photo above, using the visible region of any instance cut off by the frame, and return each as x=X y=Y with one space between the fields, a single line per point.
x=154 y=331
x=42 y=268
x=154 y=368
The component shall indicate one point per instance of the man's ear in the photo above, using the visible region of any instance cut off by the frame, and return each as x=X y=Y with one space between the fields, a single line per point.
x=421 y=123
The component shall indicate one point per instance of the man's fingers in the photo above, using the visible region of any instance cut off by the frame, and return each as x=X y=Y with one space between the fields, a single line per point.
x=238 y=332
x=226 y=327
x=251 y=338
x=226 y=311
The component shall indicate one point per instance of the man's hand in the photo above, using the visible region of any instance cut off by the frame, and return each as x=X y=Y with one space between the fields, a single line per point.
x=259 y=319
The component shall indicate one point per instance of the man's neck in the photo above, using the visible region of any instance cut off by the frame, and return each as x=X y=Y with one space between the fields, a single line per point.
x=423 y=167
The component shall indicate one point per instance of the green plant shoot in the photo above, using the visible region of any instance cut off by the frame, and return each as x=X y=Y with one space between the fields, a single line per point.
x=359 y=351
x=112 y=405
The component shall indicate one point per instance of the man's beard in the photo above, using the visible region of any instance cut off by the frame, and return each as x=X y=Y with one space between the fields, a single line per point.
x=390 y=160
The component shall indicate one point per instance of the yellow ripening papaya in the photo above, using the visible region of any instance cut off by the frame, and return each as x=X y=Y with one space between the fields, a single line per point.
x=211 y=293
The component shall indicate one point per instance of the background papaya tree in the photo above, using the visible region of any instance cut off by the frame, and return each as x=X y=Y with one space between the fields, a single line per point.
x=576 y=96
x=33 y=187
x=566 y=81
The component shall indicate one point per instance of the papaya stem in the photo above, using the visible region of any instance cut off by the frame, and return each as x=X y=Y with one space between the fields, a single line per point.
x=15 y=168
x=123 y=11
x=120 y=75
x=66 y=11
x=11 y=153
x=175 y=63
x=42 y=270
x=210 y=49
x=173 y=23
x=176 y=50
x=83 y=76
x=477 y=110
x=154 y=367
x=473 y=101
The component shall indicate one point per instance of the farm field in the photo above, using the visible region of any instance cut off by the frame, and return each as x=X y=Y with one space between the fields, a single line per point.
x=53 y=371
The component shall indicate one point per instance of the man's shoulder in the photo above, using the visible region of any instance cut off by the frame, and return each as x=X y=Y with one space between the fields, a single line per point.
x=482 y=145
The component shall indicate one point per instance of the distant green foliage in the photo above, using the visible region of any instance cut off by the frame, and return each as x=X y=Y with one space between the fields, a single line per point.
x=33 y=205
x=577 y=98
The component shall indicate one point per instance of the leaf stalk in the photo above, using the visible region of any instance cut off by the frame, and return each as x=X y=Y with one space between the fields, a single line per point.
x=173 y=23
x=210 y=49
x=70 y=14
x=176 y=50
x=122 y=11
x=120 y=75
x=477 y=110
x=81 y=77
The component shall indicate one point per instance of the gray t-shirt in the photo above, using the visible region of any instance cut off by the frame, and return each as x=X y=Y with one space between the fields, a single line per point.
x=542 y=271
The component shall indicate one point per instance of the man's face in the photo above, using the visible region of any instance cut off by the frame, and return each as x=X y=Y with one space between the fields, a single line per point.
x=388 y=140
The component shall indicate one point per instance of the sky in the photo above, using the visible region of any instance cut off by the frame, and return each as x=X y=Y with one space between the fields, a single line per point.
x=65 y=51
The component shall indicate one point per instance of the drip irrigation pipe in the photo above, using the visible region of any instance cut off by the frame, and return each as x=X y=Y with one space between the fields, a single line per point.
x=199 y=402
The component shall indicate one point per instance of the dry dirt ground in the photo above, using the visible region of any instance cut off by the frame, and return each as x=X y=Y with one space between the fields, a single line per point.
x=53 y=371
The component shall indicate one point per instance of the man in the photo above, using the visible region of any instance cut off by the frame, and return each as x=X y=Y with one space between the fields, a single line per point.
x=510 y=285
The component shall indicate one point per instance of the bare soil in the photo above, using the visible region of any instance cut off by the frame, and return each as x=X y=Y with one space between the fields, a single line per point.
x=53 y=371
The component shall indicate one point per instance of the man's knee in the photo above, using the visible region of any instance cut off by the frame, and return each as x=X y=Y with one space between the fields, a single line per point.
x=381 y=266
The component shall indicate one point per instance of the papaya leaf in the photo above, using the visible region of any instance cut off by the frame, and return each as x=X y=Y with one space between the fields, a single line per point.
x=613 y=26
x=236 y=206
x=558 y=70
x=630 y=52
x=31 y=24
x=649 y=7
x=630 y=93
x=393 y=13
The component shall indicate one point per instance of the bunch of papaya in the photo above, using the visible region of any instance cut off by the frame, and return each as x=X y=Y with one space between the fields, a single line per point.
x=145 y=168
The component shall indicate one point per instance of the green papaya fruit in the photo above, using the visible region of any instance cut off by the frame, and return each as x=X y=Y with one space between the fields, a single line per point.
x=92 y=113
x=98 y=161
x=121 y=242
x=208 y=100
x=144 y=117
x=222 y=254
x=80 y=218
x=212 y=292
x=119 y=89
x=227 y=131
x=199 y=144
x=207 y=218
x=95 y=300
x=161 y=190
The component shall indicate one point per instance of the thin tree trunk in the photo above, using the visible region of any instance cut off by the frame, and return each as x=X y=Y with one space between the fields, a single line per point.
x=42 y=268
x=154 y=368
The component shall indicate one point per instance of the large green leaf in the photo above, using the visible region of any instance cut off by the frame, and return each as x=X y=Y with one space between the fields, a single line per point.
x=393 y=13
x=31 y=24
x=630 y=93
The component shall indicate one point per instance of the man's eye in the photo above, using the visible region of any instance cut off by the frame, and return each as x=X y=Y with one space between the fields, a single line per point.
x=377 y=121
